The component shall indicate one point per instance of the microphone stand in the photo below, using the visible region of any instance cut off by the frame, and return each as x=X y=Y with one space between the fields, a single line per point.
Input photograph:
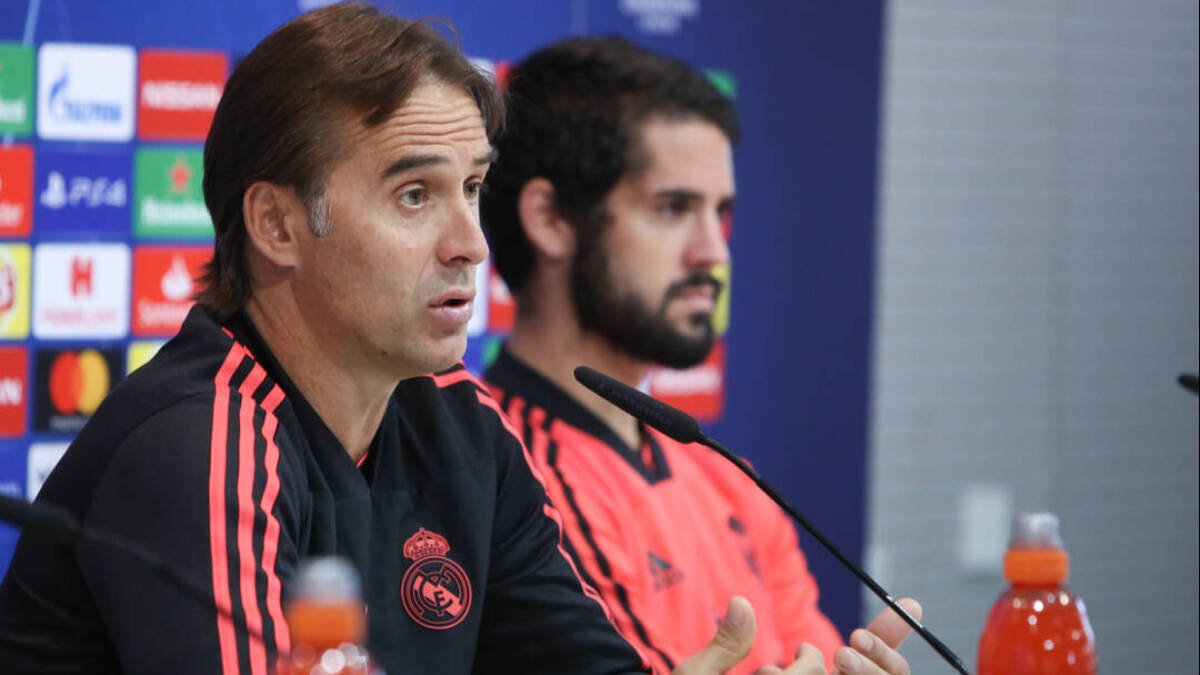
x=55 y=522
x=938 y=646
x=685 y=429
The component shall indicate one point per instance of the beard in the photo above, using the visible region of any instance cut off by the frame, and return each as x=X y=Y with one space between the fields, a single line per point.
x=628 y=322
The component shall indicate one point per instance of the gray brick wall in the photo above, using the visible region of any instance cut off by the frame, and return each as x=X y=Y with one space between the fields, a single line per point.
x=1037 y=295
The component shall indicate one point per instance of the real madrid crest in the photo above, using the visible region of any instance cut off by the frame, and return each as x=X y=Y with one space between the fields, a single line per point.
x=435 y=590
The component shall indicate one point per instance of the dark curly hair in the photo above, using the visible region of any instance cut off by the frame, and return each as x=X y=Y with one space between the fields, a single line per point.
x=574 y=111
x=283 y=117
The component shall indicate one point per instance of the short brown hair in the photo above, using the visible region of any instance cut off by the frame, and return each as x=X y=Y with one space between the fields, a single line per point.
x=575 y=110
x=283 y=114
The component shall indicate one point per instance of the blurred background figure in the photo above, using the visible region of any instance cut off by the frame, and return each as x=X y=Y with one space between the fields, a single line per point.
x=606 y=215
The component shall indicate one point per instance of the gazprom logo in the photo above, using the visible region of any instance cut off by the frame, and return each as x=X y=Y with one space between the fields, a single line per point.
x=86 y=92
x=81 y=111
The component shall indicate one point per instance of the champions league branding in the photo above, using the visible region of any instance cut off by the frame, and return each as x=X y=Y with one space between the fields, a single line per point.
x=660 y=17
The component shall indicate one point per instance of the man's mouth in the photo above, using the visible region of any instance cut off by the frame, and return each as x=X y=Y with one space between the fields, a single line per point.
x=453 y=308
x=454 y=298
x=697 y=285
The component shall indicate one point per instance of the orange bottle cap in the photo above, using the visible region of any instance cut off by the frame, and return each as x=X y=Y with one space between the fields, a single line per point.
x=326 y=625
x=1036 y=566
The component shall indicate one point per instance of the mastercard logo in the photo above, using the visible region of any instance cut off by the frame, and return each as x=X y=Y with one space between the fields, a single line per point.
x=79 y=381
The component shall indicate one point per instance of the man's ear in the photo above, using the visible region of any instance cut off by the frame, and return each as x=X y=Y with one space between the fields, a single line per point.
x=548 y=232
x=274 y=216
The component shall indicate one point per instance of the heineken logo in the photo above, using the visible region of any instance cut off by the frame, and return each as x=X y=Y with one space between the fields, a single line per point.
x=179 y=175
x=16 y=89
x=158 y=212
x=12 y=111
x=169 y=203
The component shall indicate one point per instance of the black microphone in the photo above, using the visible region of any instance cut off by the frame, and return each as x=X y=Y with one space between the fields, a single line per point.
x=685 y=429
x=674 y=423
x=46 y=519
x=1189 y=382
x=53 y=521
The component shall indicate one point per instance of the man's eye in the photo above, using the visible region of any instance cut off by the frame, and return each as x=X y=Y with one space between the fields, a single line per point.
x=413 y=197
x=674 y=208
x=474 y=190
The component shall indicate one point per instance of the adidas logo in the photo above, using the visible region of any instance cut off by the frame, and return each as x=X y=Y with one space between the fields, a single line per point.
x=739 y=530
x=663 y=574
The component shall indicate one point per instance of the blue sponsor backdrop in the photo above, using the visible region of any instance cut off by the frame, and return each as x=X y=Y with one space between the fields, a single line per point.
x=808 y=85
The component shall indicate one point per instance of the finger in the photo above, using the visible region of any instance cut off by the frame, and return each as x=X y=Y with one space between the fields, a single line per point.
x=890 y=627
x=731 y=644
x=867 y=653
x=809 y=661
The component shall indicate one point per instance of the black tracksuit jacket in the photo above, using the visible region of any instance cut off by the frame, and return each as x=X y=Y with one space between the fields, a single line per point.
x=209 y=457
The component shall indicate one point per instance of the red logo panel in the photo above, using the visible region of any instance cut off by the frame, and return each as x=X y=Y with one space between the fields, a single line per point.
x=178 y=92
x=698 y=391
x=501 y=306
x=16 y=190
x=163 y=285
x=14 y=385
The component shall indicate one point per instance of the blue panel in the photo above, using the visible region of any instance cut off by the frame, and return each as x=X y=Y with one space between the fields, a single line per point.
x=12 y=484
x=79 y=196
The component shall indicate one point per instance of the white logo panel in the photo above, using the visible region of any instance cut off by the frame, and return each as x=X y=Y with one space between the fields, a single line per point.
x=86 y=92
x=479 y=314
x=660 y=17
x=81 y=291
x=43 y=457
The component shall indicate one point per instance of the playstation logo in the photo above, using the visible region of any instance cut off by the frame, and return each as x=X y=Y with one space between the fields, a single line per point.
x=55 y=194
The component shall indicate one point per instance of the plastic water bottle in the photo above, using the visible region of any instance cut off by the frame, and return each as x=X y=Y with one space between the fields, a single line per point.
x=1037 y=626
x=327 y=620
